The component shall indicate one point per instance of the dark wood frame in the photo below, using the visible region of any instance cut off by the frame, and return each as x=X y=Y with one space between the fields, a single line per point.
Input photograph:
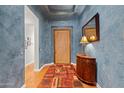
x=96 y=16
x=53 y=30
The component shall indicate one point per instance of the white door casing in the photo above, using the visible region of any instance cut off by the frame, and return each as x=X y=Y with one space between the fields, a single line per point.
x=32 y=21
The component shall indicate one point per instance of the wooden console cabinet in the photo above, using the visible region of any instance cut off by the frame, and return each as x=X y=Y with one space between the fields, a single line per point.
x=86 y=69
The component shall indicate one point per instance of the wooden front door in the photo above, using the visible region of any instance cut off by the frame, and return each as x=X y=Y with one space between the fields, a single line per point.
x=62 y=46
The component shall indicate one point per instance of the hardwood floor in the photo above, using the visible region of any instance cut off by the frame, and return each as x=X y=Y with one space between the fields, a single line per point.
x=33 y=78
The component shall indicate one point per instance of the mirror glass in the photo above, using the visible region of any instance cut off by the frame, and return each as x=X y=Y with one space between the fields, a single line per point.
x=91 y=29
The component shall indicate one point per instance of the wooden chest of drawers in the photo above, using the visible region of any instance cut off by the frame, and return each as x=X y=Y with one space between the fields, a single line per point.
x=86 y=69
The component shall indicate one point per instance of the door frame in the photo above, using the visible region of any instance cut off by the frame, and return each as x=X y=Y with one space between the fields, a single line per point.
x=36 y=36
x=70 y=28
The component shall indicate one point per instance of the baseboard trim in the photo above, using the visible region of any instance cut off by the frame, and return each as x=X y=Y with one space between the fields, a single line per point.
x=73 y=63
x=23 y=86
x=47 y=65
x=42 y=67
x=98 y=86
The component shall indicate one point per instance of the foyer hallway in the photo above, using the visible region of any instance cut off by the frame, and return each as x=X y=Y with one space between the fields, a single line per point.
x=46 y=77
x=108 y=51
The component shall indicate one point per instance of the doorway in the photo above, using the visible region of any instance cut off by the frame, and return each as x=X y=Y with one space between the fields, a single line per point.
x=31 y=38
x=62 y=46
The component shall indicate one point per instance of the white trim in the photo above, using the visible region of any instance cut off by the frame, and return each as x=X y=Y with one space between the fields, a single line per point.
x=73 y=63
x=30 y=11
x=98 y=86
x=43 y=67
x=35 y=22
x=23 y=86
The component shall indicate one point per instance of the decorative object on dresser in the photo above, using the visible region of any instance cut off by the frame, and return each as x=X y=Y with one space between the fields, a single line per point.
x=84 y=42
x=86 y=69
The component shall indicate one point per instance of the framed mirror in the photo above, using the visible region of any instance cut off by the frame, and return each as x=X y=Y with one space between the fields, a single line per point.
x=91 y=29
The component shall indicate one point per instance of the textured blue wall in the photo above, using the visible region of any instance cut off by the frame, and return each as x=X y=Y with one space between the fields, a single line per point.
x=11 y=46
x=109 y=51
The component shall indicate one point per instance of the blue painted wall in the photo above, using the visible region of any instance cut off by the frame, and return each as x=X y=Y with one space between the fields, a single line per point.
x=11 y=46
x=109 y=51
